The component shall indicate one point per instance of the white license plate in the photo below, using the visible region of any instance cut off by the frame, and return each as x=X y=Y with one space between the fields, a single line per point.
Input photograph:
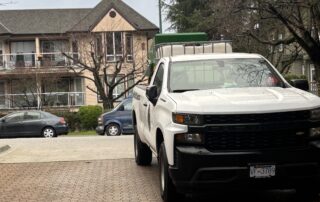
x=262 y=171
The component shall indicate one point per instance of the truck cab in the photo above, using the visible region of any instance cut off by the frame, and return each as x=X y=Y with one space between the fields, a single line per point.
x=222 y=121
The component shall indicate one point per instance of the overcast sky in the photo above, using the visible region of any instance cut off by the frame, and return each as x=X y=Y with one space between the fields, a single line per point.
x=148 y=8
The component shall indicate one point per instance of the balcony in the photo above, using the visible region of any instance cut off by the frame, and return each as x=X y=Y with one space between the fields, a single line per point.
x=31 y=60
x=42 y=100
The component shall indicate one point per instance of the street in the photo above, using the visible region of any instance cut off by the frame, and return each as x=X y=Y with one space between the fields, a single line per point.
x=90 y=169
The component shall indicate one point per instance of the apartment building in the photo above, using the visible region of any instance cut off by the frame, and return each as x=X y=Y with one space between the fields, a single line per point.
x=36 y=45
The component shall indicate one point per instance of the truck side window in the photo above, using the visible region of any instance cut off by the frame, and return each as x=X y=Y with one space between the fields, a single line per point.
x=158 y=79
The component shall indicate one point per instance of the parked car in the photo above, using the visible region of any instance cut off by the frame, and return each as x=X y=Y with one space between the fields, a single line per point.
x=32 y=123
x=118 y=121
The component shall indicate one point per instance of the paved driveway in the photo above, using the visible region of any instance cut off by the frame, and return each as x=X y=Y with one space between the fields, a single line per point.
x=91 y=169
x=67 y=149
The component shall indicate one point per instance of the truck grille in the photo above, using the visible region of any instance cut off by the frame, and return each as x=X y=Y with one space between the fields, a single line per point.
x=257 y=118
x=255 y=140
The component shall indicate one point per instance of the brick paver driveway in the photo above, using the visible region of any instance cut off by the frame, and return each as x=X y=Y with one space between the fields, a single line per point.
x=26 y=175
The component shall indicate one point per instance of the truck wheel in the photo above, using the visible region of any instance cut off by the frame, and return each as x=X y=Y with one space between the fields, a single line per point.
x=167 y=188
x=113 y=130
x=308 y=194
x=142 y=152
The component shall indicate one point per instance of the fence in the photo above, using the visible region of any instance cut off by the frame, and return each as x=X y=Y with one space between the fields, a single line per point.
x=53 y=99
x=32 y=60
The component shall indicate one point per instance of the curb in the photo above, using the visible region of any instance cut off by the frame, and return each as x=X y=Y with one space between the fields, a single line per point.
x=4 y=148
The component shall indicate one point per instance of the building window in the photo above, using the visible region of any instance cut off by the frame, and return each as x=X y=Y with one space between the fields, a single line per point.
x=129 y=47
x=119 y=44
x=120 y=88
x=2 y=94
x=1 y=54
x=98 y=45
x=280 y=37
x=75 y=50
x=114 y=46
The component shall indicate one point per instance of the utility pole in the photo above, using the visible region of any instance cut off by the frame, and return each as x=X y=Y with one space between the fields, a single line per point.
x=160 y=15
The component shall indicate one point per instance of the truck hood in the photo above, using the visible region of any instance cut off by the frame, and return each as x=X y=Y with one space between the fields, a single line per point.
x=244 y=100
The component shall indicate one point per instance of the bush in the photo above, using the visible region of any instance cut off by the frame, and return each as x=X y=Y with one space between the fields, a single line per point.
x=88 y=116
x=289 y=77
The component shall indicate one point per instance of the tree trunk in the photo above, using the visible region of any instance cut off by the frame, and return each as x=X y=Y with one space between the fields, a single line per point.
x=107 y=104
x=317 y=71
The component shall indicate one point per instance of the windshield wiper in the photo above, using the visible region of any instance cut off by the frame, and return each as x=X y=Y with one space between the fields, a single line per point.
x=184 y=90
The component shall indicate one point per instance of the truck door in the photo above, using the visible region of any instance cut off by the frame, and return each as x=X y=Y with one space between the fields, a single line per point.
x=150 y=115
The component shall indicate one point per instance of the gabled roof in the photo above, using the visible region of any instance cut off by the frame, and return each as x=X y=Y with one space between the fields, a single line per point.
x=46 y=21
x=133 y=17
x=3 y=30
x=58 y=21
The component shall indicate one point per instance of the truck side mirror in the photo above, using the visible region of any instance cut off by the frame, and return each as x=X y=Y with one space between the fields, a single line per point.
x=300 y=83
x=152 y=93
x=121 y=108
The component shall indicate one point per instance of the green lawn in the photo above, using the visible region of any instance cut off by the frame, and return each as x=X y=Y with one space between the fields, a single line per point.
x=83 y=133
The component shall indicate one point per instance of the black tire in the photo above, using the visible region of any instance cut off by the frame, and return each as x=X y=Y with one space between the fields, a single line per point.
x=113 y=129
x=142 y=152
x=167 y=189
x=48 y=132
x=308 y=194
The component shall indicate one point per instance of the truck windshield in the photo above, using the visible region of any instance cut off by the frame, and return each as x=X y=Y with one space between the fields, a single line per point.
x=222 y=73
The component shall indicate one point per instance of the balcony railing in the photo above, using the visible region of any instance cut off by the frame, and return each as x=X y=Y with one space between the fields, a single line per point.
x=42 y=100
x=32 y=60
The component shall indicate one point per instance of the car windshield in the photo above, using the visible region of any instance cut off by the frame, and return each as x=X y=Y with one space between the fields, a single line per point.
x=222 y=73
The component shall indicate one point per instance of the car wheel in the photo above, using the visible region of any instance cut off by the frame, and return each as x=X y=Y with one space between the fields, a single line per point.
x=142 y=152
x=113 y=130
x=167 y=189
x=48 y=132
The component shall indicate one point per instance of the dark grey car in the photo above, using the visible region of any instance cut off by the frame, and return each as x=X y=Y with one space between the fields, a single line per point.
x=32 y=123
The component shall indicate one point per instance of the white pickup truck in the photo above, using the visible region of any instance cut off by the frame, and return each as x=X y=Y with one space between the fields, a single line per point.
x=223 y=121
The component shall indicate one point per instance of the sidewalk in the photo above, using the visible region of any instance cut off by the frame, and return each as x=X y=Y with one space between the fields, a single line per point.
x=4 y=148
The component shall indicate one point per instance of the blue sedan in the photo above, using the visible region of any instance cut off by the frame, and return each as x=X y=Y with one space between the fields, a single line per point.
x=118 y=121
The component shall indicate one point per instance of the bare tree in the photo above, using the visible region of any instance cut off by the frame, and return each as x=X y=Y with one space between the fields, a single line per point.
x=108 y=64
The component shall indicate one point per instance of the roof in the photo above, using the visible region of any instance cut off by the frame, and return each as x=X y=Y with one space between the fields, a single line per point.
x=58 y=21
x=44 y=21
x=133 y=17
x=211 y=56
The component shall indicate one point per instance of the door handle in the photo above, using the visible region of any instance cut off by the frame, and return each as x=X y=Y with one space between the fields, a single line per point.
x=145 y=104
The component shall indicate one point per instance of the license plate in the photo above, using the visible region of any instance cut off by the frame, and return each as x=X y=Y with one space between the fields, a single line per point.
x=262 y=171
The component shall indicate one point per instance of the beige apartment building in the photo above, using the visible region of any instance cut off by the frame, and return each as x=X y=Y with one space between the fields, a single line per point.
x=34 y=68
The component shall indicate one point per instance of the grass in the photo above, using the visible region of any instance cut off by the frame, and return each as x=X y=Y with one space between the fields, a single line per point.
x=83 y=133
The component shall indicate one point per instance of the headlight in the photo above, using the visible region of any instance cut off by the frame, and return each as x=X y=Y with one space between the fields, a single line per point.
x=100 y=122
x=195 y=138
x=315 y=132
x=315 y=114
x=187 y=119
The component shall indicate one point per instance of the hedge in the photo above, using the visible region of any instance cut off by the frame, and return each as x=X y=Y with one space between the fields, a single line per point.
x=88 y=116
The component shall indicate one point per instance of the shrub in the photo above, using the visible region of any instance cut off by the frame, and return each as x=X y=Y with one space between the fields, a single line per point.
x=88 y=116
x=289 y=77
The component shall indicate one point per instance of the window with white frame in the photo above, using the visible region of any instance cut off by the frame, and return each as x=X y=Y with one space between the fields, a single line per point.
x=114 y=46
x=119 y=44
x=1 y=54
x=280 y=37
x=2 y=94
x=129 y=47
x=120 y=88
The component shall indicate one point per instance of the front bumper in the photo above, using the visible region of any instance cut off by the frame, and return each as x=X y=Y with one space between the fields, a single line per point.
x=198 y=170
x=100 y=130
